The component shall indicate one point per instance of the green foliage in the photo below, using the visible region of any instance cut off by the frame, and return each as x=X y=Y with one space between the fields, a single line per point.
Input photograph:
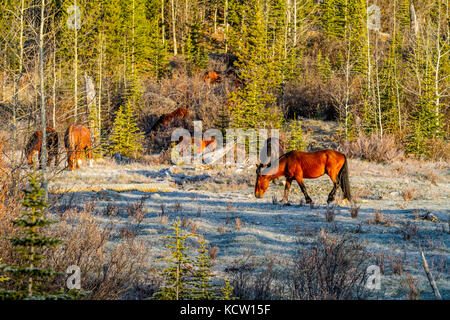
x=223 y=119
x=29 y=275
x=195 y=52
x=253 y=105
x=296 y=139
x=177 y=273
x=185 y=276
x=125 y=136
x=227 y=291
x=324 y=66
x=202 y=277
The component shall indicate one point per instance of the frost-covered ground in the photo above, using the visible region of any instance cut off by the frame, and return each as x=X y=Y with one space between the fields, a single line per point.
x=213 y=201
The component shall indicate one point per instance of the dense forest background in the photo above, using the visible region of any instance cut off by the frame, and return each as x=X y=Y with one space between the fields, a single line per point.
x=79 y=61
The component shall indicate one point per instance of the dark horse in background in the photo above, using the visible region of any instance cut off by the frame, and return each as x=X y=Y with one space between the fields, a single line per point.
x=77 y=141
x=167 y=119
x=35 y=142
x=300 y=165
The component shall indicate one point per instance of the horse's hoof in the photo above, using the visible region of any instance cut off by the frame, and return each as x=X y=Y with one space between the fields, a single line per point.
x=286 y=204
x=308 y=201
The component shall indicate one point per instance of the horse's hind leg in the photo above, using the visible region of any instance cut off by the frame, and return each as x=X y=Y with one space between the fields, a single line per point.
x=303 y=188
x=332 y=193
x=286 y=190
x=333 y=176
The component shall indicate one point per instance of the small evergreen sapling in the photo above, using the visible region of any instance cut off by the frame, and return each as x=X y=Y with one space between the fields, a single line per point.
x=29 y=275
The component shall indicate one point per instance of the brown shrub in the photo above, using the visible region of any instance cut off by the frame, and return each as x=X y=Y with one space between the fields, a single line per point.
x=330 y=213
x=354 y=210
x=409 y=194
x=333 y=269
x=374 y=148
x=439 y=150
x=107 y=272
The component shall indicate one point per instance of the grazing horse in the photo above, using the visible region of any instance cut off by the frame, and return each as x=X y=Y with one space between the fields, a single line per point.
x=35 y=142
x=166 y=119
x=77 y=140
x=211 y=143
x=300 y=165
x=212 y=77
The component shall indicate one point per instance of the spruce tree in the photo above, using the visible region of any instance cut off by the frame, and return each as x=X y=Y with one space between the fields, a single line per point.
x=29 y=275
x=177 y=273
x=126 y=138
x=296 y=139
x=202 y=277
x=253 y=104
x=195 y=52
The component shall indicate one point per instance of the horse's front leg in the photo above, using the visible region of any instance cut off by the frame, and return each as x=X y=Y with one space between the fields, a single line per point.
x=303 y=188
x=332 y=193
x=286 y=190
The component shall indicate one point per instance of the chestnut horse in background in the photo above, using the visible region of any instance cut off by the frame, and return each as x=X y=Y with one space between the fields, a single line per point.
x=166 y=119
x=35 y=142
x=77 y=140
x=212 y=77
x=211 y=143
x=300 y=165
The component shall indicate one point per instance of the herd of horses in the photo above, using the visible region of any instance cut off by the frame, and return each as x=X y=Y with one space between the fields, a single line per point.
x=77 y=141
x=293 y=165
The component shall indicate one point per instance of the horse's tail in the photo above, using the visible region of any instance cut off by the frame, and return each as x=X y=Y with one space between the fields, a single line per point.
x=344 y=181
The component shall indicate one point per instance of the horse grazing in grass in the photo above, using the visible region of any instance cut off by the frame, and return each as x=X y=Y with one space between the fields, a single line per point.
x=35 y=142
x=167 y=119
x=212 y=77
x=300 y=165
x=77 y=140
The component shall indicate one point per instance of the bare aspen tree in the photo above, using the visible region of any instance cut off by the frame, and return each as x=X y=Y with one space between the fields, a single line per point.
x=225 y=23
x=133 y=38
x=174 y=32
x=441 y=52
x=100 y=86
x=75 y=67
x=54 y=75
x=163 y=30
x=17 y=81
x=43 y=109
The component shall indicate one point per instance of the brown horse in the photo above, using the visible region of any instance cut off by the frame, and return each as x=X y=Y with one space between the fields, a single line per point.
x=167 y=119
x=35 y=142
x=211 y=143
x=212 y=77
x=300 y=165
x=77 y=140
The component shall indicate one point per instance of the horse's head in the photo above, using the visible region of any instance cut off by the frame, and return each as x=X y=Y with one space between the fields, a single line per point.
x=262 y=181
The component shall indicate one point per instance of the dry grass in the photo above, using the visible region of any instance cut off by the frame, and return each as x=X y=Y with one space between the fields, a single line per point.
x=354 y=210
x=330 y=213
x=409 y=231
x=379 y=218
x=136 y=210
x=213 y=252
x=409 y=194
x=374 y=148
x=239 y=224
x=396 y=264
x=409 y=287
